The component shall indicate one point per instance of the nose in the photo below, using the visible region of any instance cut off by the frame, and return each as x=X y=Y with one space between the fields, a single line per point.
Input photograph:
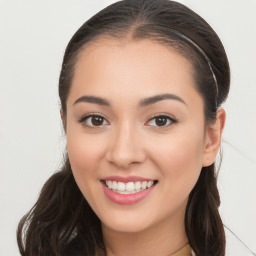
x=126 y=147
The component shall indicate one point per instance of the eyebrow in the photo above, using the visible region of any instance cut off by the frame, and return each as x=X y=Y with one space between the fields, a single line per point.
x=144 y=102
x=160 y=97
x=92 y=99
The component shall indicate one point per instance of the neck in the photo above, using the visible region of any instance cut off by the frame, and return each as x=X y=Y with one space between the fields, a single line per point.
x=162 y=239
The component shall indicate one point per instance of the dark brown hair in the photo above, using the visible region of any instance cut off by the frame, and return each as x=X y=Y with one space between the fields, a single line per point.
x=62 y=222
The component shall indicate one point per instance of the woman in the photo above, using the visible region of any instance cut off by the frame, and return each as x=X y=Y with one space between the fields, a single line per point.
x=141 y=88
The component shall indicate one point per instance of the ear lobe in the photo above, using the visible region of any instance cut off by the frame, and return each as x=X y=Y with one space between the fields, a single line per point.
x=213 y=137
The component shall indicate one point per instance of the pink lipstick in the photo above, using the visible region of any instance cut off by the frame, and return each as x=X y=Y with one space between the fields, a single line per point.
x=127 y=190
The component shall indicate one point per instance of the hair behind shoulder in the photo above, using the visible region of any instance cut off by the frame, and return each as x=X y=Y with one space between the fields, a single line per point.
x=61 y=222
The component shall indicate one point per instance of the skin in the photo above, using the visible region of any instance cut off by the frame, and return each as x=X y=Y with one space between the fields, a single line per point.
x=129 y=142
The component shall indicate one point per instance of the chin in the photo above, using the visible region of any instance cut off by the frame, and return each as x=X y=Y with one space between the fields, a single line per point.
x=126 y=223
x=126 y=227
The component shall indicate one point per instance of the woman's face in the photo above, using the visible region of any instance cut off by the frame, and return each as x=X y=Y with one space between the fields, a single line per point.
x=135 y=118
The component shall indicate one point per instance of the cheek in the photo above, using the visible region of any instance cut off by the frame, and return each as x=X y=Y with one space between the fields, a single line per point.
x=179 y=158
x=84 y=155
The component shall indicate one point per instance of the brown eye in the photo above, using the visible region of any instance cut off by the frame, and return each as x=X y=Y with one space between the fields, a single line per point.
x=97 y=120
x=161 y=120
x=94 y=120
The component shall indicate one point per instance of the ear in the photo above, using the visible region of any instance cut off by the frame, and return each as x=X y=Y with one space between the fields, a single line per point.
x=213 y=137
x=63 y=118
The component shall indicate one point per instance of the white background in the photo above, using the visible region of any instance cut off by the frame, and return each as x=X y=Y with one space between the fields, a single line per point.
x=33 y=36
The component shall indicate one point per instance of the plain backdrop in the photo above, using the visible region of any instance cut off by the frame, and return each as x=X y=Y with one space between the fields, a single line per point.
x=33 y=36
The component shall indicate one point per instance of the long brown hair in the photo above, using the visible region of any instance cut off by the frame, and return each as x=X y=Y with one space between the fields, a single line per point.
x=62 y=222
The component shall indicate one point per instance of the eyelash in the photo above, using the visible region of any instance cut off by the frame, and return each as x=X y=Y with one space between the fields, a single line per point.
x=163 y=116
x=85 y=118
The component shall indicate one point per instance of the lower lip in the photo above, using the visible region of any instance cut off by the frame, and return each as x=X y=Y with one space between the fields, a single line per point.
x=124 y=198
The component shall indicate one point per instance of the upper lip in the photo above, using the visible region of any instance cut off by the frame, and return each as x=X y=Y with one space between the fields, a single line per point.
x=126 y=179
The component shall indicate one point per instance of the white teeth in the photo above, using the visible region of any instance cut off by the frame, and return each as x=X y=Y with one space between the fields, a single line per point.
x=114 y=185
x=137 y=185
x=121 y=186
x=129 y=187
x=150 y=184
x=144 y=185
x=109 y=183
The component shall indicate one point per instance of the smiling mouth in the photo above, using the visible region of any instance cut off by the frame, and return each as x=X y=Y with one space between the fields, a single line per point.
x=129 y=187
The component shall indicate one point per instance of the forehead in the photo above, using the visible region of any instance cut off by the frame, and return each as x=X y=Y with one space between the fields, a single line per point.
x=109 y=67
x=126 y=51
